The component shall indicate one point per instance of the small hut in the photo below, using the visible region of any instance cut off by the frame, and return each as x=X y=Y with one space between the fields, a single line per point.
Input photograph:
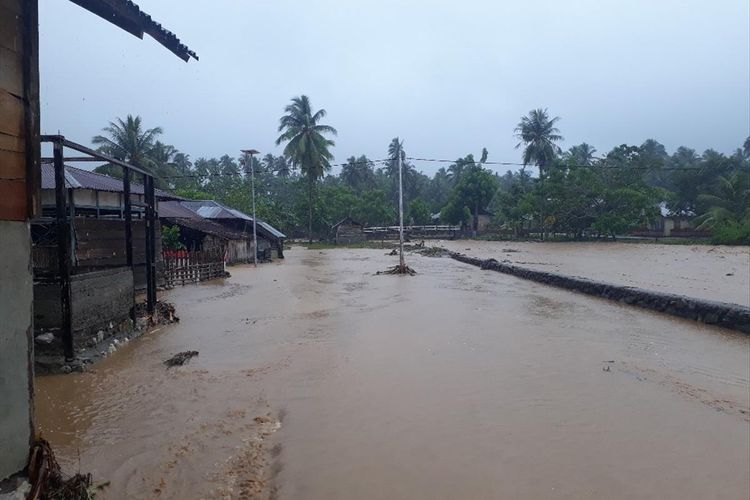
x=348 y=231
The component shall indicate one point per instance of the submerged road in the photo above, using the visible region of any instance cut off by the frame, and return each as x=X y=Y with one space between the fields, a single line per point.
x=317 y=379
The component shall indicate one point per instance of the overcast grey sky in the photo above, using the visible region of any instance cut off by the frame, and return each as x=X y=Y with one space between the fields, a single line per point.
x=448 y=77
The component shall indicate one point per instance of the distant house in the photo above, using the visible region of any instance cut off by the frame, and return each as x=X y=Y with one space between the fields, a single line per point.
x=347 y=231
x=102 y=284
x=671 y=225
x=98 y=226
x=269 y=238
x=93 y=194
x=483 y=220
x=204 y=235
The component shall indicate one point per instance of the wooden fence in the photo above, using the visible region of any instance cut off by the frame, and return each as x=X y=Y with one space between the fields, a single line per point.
x=181 y=267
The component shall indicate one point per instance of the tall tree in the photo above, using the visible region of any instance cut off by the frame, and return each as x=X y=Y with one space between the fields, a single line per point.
x=538 y=134
x=474 y=191
x=582 y=154
x=306 y=144
x=358 y=174
x=128 y=141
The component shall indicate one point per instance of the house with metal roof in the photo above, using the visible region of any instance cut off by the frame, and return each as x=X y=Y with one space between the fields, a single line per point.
x=93 y=194
x=269 y=238
x=20 y=192
x=198 y=234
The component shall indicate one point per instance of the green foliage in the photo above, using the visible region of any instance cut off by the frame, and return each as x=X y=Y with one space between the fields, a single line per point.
x=419 y=212
x=538 y=134
x=728 y=201
x=732 y=233
x=578 y=193
x=306 y=145
x=170 y=238
x=455 y=212
x=192 y=193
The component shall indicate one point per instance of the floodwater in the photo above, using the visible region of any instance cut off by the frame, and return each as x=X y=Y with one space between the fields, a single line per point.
x=317 y=379
x=719 y=273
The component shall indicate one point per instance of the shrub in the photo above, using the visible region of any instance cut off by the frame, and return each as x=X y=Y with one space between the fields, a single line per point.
x=732 y=233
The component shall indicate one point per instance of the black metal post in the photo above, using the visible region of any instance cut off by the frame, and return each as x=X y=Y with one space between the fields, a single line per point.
x=128 y=217
x=148 y=185
x=63 y=252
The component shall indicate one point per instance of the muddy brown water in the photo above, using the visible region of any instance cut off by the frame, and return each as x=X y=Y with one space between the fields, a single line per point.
x=318 y=380
x=709 y=272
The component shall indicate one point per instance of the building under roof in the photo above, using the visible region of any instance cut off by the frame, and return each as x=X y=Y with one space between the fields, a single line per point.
x=213 y=210
x=77 y=178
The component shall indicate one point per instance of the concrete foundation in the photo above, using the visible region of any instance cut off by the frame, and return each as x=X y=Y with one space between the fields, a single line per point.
x=98 y=300
x=16 y=346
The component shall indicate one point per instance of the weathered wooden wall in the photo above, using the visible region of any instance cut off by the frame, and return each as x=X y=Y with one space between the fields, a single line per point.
x=349 y=233
x=97 y=298
x=19 y=110
x=101 y=242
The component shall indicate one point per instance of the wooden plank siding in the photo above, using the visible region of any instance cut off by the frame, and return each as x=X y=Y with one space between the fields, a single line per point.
x=19 y=110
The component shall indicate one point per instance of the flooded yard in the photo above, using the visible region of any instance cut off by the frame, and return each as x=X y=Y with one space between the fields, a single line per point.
x=719 y=273
x=317 y=379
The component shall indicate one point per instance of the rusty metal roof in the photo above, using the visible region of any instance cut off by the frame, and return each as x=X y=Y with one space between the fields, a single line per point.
x=128 y=16
x=76 y=178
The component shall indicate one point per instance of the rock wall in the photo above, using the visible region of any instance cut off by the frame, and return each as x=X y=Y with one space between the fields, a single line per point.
x=732 y=316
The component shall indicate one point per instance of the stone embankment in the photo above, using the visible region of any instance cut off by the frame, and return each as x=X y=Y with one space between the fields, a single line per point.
x=732 y=316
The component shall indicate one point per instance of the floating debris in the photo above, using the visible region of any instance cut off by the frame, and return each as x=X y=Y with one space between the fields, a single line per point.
x=180 y=359
x=399 y=270
x=47 y=482
x=164 y=313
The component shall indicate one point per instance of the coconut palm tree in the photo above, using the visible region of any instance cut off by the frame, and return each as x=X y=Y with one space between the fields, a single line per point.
x=729 y=201
x=128 y=141
x=306 y=146
x=581 y=155
x=538 y=134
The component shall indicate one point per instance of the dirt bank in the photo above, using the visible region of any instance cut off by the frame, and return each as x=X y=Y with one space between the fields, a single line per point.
x=317 y=379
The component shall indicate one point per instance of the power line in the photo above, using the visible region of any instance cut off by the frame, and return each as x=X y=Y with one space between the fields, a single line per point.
x=594 y=165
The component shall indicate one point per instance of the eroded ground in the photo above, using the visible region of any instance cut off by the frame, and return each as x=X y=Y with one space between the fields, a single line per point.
x=318 y=380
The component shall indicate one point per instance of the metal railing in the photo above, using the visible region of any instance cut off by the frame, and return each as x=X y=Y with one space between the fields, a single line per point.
x=64 y=224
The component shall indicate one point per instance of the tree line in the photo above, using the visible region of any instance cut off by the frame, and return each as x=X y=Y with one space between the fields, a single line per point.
x=576 y=194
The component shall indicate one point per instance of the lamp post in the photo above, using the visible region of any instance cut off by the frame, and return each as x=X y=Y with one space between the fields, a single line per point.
x=249 y=164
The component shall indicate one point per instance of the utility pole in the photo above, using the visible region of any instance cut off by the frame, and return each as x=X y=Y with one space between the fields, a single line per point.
x=401 y=263
x=249 y=164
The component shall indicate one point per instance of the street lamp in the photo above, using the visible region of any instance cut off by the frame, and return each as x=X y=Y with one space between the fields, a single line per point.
x=249 y=164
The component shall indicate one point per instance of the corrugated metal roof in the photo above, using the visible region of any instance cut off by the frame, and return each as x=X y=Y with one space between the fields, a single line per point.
x=76 y=178
x=211 y=209
x=202 y=225
x=175 y=209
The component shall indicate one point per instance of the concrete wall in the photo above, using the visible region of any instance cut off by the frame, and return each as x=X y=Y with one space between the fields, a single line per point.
x=15 y=346
x=97 y=298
